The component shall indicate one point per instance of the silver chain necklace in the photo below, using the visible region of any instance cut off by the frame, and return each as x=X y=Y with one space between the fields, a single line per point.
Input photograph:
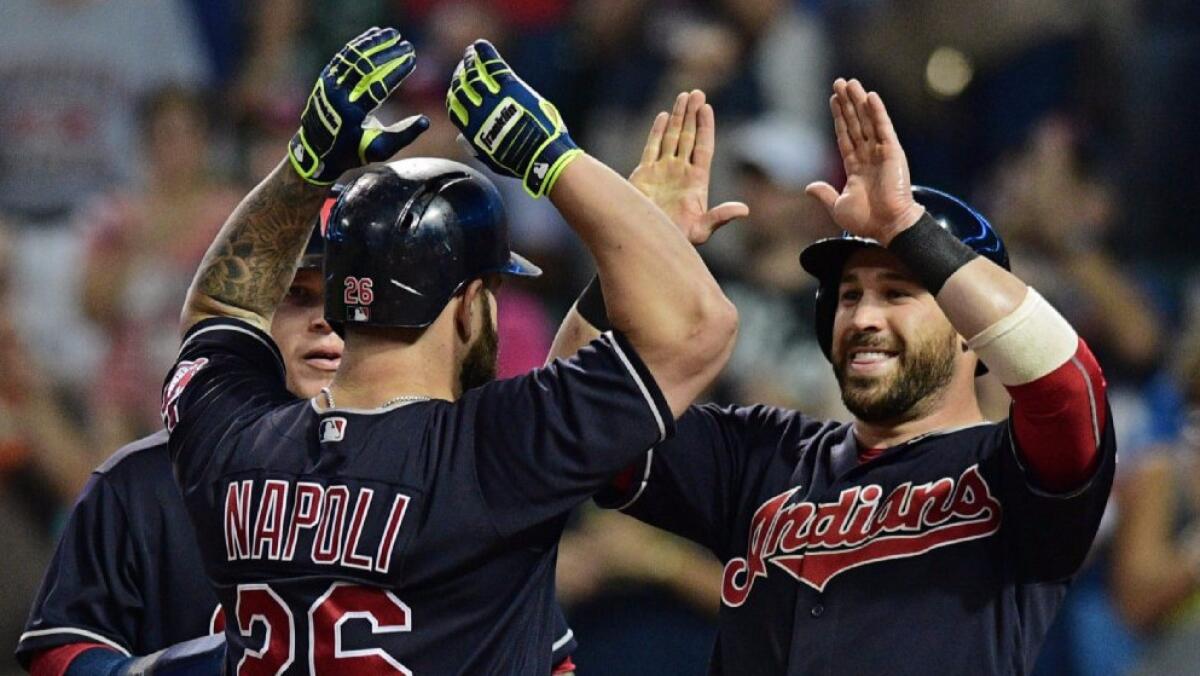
x=394 y=400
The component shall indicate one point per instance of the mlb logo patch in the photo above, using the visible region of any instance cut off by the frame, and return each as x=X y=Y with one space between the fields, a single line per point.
x=358 y=314
x=333 y=429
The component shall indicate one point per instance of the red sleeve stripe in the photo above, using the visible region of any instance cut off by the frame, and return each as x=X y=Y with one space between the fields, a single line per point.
x=1058 y=420
x=564 y=667
x=55 y=661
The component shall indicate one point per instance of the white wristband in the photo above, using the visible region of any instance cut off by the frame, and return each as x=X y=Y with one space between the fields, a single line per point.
x=1027 y=344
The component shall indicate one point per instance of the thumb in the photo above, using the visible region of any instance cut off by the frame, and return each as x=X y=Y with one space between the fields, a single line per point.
x=380 y=143
x=823 y=192
x=722 y=214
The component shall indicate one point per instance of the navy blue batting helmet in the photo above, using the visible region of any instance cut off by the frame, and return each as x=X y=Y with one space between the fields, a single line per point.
x=405 y=236
x=824 y=259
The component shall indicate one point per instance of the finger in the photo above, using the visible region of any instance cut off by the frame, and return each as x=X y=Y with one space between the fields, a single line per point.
x=687 y=136
x=360 y=55
x=851 y=116
x=858 y=96
x=380 y=143
x=454 y=104
x=880 y=120
x=371 y=37
x=840 y=130
x=706 y=138
x=468 y=65
x=396 y=62
x=488 y=54
x=824 y=193
x=478 y=68
x=674 y=125
x=494 y=67
x=654 y=139
x=722 y=214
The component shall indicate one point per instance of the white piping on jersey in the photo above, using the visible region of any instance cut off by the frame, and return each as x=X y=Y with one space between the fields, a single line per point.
x=662 y=428
x=563 y=641
x=645 y=482
x=1012 y=447
x=227 y=327
x=1012 y=436
x=1087 y=379
x=366 y=411
x=71 y=630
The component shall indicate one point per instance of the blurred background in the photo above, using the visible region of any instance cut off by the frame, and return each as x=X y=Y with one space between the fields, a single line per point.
x=130 y=128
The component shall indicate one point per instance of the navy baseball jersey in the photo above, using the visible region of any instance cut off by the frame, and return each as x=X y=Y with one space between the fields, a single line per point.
x=127 y=570
x=417 y=538
x=939 y=556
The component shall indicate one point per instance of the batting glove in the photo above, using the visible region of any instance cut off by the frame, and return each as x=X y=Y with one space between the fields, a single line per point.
x=507 y=124
x=337 y=131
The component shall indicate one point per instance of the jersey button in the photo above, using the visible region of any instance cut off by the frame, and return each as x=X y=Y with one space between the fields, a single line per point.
x=817 y=610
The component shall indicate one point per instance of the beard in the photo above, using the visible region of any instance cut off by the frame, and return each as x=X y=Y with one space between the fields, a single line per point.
x=479 y=366
x=909 y=391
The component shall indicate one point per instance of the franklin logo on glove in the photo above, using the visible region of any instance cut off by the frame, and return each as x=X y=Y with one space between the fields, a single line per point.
x=497 y=126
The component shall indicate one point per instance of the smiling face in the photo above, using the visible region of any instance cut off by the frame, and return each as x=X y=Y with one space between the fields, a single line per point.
x=311 y=350
x=894 y=352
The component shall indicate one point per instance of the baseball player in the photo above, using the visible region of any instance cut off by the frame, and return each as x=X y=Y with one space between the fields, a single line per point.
x=919 y=538
x=406 y=519
x=126 y=578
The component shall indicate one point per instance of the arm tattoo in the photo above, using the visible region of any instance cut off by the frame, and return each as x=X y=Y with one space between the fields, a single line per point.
x=253 y=258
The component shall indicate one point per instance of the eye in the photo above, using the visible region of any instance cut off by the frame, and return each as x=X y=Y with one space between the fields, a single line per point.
x=897 y=294
x=298 y=295
x=850 y=295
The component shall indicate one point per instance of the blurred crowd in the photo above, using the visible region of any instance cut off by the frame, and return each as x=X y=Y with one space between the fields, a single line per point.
x=130 y=128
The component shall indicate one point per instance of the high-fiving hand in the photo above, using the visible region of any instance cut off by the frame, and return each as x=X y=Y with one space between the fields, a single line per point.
x=675 y=166
x=337 y=132
x=505 y=123
x=877 y=200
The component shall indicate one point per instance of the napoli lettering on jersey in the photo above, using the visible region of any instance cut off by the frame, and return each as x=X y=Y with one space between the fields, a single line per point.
x=335 y=515
x=814 y=542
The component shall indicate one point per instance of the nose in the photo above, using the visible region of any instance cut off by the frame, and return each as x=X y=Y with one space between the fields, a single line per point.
x=317 y=322
x=867 y=315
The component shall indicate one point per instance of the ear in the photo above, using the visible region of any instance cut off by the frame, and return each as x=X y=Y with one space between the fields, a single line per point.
x=464 y=314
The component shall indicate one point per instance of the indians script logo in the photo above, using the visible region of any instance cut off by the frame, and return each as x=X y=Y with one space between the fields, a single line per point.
x=815 y=542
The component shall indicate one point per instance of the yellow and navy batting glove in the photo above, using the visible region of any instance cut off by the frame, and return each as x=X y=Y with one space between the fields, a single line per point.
x=507 y=124
x=337 y=132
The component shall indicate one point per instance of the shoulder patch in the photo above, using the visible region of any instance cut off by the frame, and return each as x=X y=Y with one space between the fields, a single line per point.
x=184 y=372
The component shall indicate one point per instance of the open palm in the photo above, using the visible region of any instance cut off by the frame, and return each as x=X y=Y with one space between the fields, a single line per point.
x=877 y=200
x=675 y=168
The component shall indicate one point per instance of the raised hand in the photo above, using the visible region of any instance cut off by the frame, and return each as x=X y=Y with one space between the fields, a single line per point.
x=877 y=200
x=505 y=123
x=337 y=131
x=675 y=168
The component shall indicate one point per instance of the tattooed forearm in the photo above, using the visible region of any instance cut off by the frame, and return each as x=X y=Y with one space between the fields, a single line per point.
x=253 y=258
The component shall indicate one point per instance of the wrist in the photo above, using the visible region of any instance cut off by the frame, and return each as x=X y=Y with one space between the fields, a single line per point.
x=932 y=253
x=548 y=164
x=305 y=162
x=908 y=218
